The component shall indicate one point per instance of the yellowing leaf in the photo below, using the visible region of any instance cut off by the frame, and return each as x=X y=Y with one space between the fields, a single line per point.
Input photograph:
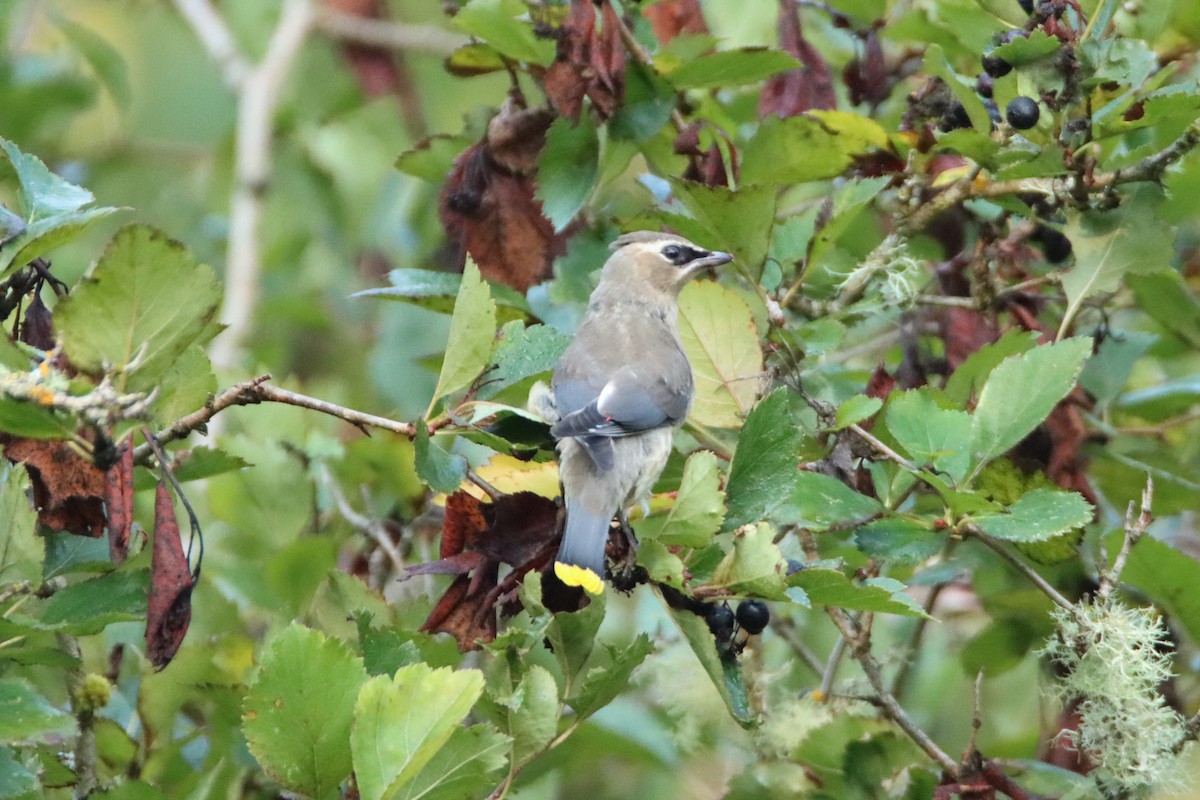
x=718 y=334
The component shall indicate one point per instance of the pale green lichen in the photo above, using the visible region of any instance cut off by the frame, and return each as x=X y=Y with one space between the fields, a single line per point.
x=899 y=275
x=1114 y=659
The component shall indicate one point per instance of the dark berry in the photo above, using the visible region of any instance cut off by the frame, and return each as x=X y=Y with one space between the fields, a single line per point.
x=753 y=616
x=720 y=621
x=1022 y=113
x=995 y=66
x=1026 y=6
x=1055 y=246
x=984 y=85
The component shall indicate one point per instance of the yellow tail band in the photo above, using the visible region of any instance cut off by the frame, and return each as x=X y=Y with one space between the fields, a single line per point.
x=572 y=575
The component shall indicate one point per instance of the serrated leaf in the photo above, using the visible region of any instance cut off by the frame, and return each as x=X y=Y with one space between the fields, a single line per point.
x=1027 y=49
x=20 y=549
x=440 y=470
x=298 y=711
x=89 y=606
x=186 y=385
x=814 y=146
x=855 y=410
x=931 y=435
x=423 y=287
x=973 y=372
x=738 y=222
x=602 y=684
x=572 y=637
x=720 y=340
x=901 y=541
x=831 y=587
x=763 y=472
x=1021 y=392
x=1168 y=576
x=463 y=768
x=532 y=713
x=523 y=351
x=472 y=329
x=731 y=68
x=43 y=193
x=698 y=509
x=662 y=566
x=401 y=723
x=567 y=169
x=16 y=779
x=143 y=304
x=432 y=158
x=725 y=673
x=496 y=22
x=27 y=716
x=43 y=235
x=1109 y=245
x=820 y=501
x=755 y=566
x=1038 y=515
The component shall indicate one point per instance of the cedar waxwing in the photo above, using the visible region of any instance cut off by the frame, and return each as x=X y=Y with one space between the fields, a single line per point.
x=619 y=391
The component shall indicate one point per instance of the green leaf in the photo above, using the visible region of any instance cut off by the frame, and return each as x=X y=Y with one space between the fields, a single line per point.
x=855 y=410
x=815 y=146
x=1162 y=401
x=738 y=222
x=401 y=723
x=423 y=287
x=725 y=673
x=1027 y=49
x=572 y=637
x=899 y=540
x=649 y=101
x=298 y=711
x=185 y=386
x=968 y=379
x=431 y=159
x=719 y=337
x=698 y=509
x=440 y=470
x=1022 y=391
x=26 y=716
x=602 y=684
x=43 y=194
x=20 y=549
x=1108 y=245
x=1169 y=302
x=567 y=169
x=463 y=768
x=830 y=587
x=495 y=22
x=731 y=68
x=763 y=472
x=963 y=90
x=43 y=235
x=1167 y=576
x=661 y=564
x=384 y=650
x=26 y=419
x=931 y=435
x=532 y=713
x=820 y=501
x=472 y=329
x=1040 y=514
x=104 y=59
x=523 y=351
x=143 y=304
x=471 y=60
x=754 y=566
x=16 y=779
x=89 y=606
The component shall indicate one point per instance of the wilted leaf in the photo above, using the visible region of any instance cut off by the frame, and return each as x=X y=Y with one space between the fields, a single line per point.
x=118 y=504
x=804 y=88
x=719 y=337
x=169 y=606
x=299 y=710
x=590 y=62
x=68 y=489
x=670 y=18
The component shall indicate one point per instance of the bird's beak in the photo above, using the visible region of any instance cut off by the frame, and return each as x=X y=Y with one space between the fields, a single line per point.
x=714 y=259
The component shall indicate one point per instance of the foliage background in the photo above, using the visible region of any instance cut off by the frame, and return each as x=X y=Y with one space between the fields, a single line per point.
x=123 y=99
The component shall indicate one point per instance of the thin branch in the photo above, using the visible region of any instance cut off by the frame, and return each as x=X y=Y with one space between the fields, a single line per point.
x=217 y=39
x=1135 y=529
x=882 y=448
x=258 y=96
x=786 y=629
x=1026 y=570
x=361 y=522
x=831 y=666
x=900 y=679
x=388 y=33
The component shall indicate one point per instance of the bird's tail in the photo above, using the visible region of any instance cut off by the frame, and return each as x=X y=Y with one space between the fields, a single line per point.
x=580 y=560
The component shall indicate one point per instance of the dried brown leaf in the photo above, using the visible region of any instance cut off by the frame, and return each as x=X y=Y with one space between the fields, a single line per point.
x=169 y=607
x=68 y=490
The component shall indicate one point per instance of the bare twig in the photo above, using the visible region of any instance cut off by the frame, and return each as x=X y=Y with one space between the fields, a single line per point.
x=831 y=666
x=258 y=88
x=373 y=528
x=976 y=719
x=882 y=448
x=1135 y=529
x=1026 y=570
x=786 y=630
x=388 y=33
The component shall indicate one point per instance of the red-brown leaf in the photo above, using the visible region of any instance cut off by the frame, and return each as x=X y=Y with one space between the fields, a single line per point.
x=866 y=76
x=587 y=62
x=118 y=502
x=801 y=89
x=464 y=611
x=37 y=329
x=68 y=490
x=169 y=607
x=670 y=18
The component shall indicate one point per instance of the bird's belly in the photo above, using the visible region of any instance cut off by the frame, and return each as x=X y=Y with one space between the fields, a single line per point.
x=637 y=463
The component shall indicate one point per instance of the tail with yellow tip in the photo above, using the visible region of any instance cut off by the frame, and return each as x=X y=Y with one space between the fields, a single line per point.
x=580 y=560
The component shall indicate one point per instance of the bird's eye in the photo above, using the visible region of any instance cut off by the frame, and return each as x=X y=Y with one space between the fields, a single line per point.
x=671 y=253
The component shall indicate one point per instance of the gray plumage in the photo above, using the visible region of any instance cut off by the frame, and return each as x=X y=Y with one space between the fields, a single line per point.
x=619 y=392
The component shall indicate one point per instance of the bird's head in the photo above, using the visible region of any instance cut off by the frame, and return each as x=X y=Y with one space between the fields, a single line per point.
x=662 y=262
